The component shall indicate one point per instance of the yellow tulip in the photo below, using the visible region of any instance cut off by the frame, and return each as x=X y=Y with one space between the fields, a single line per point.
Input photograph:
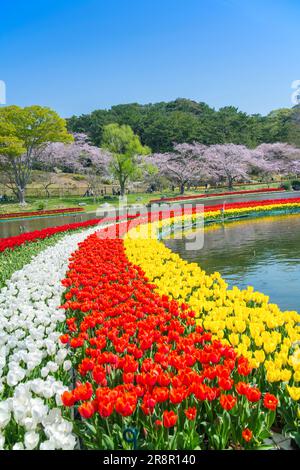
x=294 y=392
x=243 y=318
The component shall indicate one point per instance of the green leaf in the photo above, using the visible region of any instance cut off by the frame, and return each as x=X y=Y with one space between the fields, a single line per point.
x=264 y=434
x=297 y=438
x=216 y=441
x=108 y=442
x=91 y=428
x=264 y=447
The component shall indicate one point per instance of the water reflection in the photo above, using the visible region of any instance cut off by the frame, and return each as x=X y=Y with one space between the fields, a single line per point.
x=264 y=253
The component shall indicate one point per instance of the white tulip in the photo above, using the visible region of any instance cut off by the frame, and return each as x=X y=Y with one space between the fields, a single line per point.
x=52 y=366
x=61 y=355
x=68 y=442
x=30 y=424
x=67 y=365
x=44 y=372
x=5 y=414
x=15 y=376
x=18 y=446
x=47 y=445
x=39 y=409
x=31 y=440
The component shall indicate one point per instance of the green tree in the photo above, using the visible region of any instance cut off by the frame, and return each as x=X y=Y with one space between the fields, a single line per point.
x=23 y=134
x=234 y=126
x=160 y=125
x=126 y=150
x=278 y=125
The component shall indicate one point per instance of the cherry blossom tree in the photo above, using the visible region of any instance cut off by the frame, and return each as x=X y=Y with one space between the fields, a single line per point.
x=190 y=163
x=230 y=162
x=280 y=158
x=78 y=157
x=295 y=167
x=184 y=166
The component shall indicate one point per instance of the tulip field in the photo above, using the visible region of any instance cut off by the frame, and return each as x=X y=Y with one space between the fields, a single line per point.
x=17 y=215
x=105 y=333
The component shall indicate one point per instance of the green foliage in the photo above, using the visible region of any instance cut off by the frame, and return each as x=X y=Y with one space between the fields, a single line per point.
x=10 y=145
x=159 y=125
x=23 y=132
x=125 y=147
x=41 y=206
x=286 y=186
x=294 y=126
x=31 y=127
x=296 y=185
x=78 y=177
x=14 y=260
x=278 y=125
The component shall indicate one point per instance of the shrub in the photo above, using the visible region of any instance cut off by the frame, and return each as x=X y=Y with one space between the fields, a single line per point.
x=78 y=177
x=41 y=206
x=296 y=185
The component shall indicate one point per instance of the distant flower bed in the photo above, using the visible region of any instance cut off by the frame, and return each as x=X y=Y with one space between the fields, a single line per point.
x=12 y=242
x=269 y=204
x=16 y=215
x=198 y=196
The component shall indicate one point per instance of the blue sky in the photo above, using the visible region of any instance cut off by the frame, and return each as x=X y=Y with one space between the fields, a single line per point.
x=80 y=55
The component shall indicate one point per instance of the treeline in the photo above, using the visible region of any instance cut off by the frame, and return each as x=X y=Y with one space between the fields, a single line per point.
x=159 y=125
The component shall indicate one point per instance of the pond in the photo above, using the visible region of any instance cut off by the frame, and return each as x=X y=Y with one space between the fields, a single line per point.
x=264 y=253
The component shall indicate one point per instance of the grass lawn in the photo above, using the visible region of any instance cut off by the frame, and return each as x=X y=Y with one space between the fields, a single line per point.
x=34 y=204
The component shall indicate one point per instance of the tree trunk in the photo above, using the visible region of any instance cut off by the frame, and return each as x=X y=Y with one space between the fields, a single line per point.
x=230 y=184
x=21 y=196
x=182 y=188
x=122 y=188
